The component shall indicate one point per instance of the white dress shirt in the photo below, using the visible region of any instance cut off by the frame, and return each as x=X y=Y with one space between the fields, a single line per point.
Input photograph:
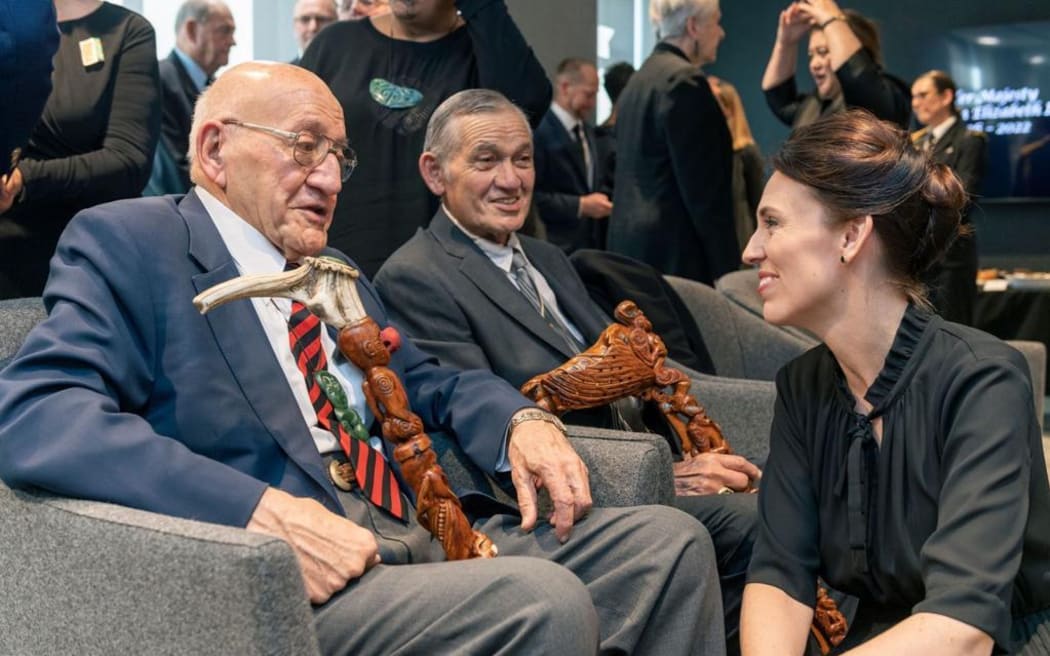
x=253 y=254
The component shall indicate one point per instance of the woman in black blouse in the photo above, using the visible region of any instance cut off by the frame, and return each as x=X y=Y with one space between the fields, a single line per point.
x=906 y=465
x=845 y=60
x=94 y=142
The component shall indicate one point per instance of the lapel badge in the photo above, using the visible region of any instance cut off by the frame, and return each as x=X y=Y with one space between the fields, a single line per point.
x=91 y=52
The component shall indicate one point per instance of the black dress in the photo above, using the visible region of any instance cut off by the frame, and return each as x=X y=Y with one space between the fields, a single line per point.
x=386 y=201
x=949 y=515
x=93 y=144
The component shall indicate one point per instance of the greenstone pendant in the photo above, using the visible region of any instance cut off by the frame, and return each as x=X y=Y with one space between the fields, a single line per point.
x=346 y=415
x=392 y=95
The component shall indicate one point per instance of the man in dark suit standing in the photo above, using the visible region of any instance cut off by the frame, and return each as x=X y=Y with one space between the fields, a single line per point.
x=672 y=202
x=216 y=418
x=204 y=35
x=567 y=165
x=473 y=292
x=953 y=281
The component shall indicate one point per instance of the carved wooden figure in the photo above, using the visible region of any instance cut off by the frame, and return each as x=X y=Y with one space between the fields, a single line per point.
x=327 y=288
x=437 y=507
x=628 y=360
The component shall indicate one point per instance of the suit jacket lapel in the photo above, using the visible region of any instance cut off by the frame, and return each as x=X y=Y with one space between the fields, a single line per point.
x=946 y=144
x=244 y=345
x=493 y=282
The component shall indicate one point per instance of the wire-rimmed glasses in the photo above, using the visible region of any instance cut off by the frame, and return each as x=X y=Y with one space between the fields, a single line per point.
x=309 y=148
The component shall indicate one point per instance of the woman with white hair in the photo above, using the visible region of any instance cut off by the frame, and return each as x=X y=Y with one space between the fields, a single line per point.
x=672 y=205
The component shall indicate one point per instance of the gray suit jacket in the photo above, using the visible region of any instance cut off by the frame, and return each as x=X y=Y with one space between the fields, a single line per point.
x=457 y=305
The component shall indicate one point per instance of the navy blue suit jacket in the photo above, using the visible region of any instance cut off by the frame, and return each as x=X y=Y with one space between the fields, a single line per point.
x=126 y=394
x=561 y=178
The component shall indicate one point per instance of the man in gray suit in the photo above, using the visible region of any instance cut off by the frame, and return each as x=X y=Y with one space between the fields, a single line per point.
x=203 y=39
x=672 y=204
x=476 y=294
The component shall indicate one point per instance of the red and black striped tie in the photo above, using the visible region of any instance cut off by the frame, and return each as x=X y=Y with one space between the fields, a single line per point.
x=371 y=469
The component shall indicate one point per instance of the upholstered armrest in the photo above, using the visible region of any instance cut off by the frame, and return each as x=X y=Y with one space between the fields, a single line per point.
x=743 y=408
x=1035 y=353
x=626 y=469
x=85 y=577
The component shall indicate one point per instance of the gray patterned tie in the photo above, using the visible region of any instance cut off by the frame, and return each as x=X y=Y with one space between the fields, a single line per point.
x=520 y=269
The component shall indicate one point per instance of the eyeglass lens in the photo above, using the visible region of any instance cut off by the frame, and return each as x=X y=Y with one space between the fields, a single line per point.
x=311 y=149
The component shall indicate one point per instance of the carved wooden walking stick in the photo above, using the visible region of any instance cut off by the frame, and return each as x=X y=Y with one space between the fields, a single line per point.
x=628 y=360
x=326 y=287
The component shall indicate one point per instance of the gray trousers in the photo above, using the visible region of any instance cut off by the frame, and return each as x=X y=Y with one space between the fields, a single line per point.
x=630 y=580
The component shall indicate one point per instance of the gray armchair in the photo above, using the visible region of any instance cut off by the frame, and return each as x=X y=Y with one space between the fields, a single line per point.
x=94 y=578
x=741 y=344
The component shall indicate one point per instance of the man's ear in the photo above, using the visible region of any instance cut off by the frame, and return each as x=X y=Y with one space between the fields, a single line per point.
x=691 y=26
x=858 y=232
x=433 y=176
x=192 y=28
x=208 y=152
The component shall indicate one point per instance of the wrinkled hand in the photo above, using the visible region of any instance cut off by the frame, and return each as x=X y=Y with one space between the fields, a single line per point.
x=707 y=473
x=817 y=12
x=331 y=550
x=793 y=26
x=595 y=206
x=10 y=187
x=540 y=456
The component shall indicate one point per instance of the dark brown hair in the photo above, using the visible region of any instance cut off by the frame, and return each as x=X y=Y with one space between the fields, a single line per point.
x=942 y=82
x=858 y=165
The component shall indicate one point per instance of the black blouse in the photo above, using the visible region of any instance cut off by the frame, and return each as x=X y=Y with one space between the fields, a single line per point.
x=949 y=515
x=864 y=84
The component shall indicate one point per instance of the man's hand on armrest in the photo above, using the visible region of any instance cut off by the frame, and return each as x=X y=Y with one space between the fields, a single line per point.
x=709 y=473
x=540 y=456
x=331 y=550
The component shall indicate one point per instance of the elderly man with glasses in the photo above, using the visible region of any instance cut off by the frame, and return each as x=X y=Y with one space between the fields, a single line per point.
x=227 y=417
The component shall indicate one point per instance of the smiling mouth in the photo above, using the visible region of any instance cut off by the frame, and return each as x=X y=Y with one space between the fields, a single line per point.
x=507 y=203
x=764 y=281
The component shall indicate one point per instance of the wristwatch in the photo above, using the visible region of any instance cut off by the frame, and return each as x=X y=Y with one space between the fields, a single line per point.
x=535 y=414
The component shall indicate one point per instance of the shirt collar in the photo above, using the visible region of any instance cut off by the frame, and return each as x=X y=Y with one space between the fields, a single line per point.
x=251 y=251
x=502 y=256
x=943 y=127
x=196 y=73
x=566 y=119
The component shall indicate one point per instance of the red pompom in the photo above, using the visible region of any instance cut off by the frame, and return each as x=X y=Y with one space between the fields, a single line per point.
x=391 y=338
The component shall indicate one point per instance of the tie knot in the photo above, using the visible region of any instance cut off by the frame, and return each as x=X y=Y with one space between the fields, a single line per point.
x=578 y=131
x=518 y=260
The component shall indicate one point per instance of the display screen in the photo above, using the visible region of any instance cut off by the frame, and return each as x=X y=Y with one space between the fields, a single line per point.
x=1003 y=75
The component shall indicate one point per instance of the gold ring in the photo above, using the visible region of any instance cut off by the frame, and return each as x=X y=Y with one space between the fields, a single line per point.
x=725 y=490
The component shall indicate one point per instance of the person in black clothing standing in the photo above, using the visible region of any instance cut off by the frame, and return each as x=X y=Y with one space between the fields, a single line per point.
x=953 y=283
x=672 y=204
x=401 y=67
x=94 y=142
x=845 y=60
